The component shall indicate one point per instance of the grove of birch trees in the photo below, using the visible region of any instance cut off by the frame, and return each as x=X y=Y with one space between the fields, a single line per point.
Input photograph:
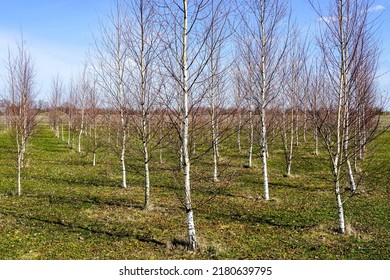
x=164 y=77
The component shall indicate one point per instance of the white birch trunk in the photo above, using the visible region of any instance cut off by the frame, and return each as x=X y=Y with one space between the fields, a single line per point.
x=145 y=127
x=251 y=136
x=94 y=143
x=213 y=123
x=345 y=149
x=239 y=131
x=193 y=147
x=69 y=124
x=297 y=128
x=123 y=151
x=83 y=96
x=19 y=175
x=340 y=209
x=264 y=155
x=316 y=140
x=181 y=152
x=192 y=242
x=57 y=130
x=122 y=103
x=339 y=139
x=146 y=160
x=292 y=105
x=263 y=127
x=79 y=144
x=291 y=144
x=147 y=178
x=20 y=160
x=304 y=123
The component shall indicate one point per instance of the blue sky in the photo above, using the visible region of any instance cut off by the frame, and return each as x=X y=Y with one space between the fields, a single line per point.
x=58 y=33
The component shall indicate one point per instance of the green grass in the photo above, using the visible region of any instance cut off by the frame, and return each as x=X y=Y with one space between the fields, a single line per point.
x=72 y=210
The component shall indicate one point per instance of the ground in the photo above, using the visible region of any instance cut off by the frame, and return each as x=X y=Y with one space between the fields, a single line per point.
x=71 y=210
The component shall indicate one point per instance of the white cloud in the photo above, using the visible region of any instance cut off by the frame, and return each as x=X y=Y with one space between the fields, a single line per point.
x=376 y=8
x=334 y=19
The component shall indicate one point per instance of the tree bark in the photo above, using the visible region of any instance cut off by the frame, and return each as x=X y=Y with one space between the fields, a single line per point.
x=192 y=242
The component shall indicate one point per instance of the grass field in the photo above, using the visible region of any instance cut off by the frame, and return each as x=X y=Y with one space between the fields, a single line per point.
x=72 y=210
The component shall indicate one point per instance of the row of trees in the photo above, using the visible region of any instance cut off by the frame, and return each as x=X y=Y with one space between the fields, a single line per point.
x=158 y=67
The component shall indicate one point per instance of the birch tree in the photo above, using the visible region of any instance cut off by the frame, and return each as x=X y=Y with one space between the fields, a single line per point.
x=187 y=27
x=343 y=31
x=82 y=91
x=70 y=111
x=143 y=42
x=93 y=107
x=293 y=80
x=238 y=104
x=180 y=15
x=110 y=60
x=219 y=13
x=247 y=77
x=263 y=20
x=21 y=87
x=57 y=90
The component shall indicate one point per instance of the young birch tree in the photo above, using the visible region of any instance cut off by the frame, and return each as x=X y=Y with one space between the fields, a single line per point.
x=70 y=111
x=92 y=110
x=188 y=25
x=216 y=69
x=343 y=32
x=293 y=80
x=143 y=43
x=110 y=65
x=82 y=91
x=263 y=19
x=246 y=69
x=21 y=86
x=57 y=90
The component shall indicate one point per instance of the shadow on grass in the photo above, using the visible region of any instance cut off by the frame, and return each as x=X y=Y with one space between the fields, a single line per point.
x=73 y=227
x=90 y=200
x=269 y=220
x=296 y=186
x=71 y=181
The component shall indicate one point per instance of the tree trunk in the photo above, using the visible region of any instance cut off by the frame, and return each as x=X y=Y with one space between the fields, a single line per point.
x=345 y=149
x=147 y=178
x=79 y=144
x=239 y=131
x=263 y=127
x=213 y=123
x=69 y=133
x=291 y=144
x=264 y=155
x=145 y=123
x=19 y=187
x=340 y=209
x=192 y=243
x=251 y=136
x=316 y=140
x=123 y=150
